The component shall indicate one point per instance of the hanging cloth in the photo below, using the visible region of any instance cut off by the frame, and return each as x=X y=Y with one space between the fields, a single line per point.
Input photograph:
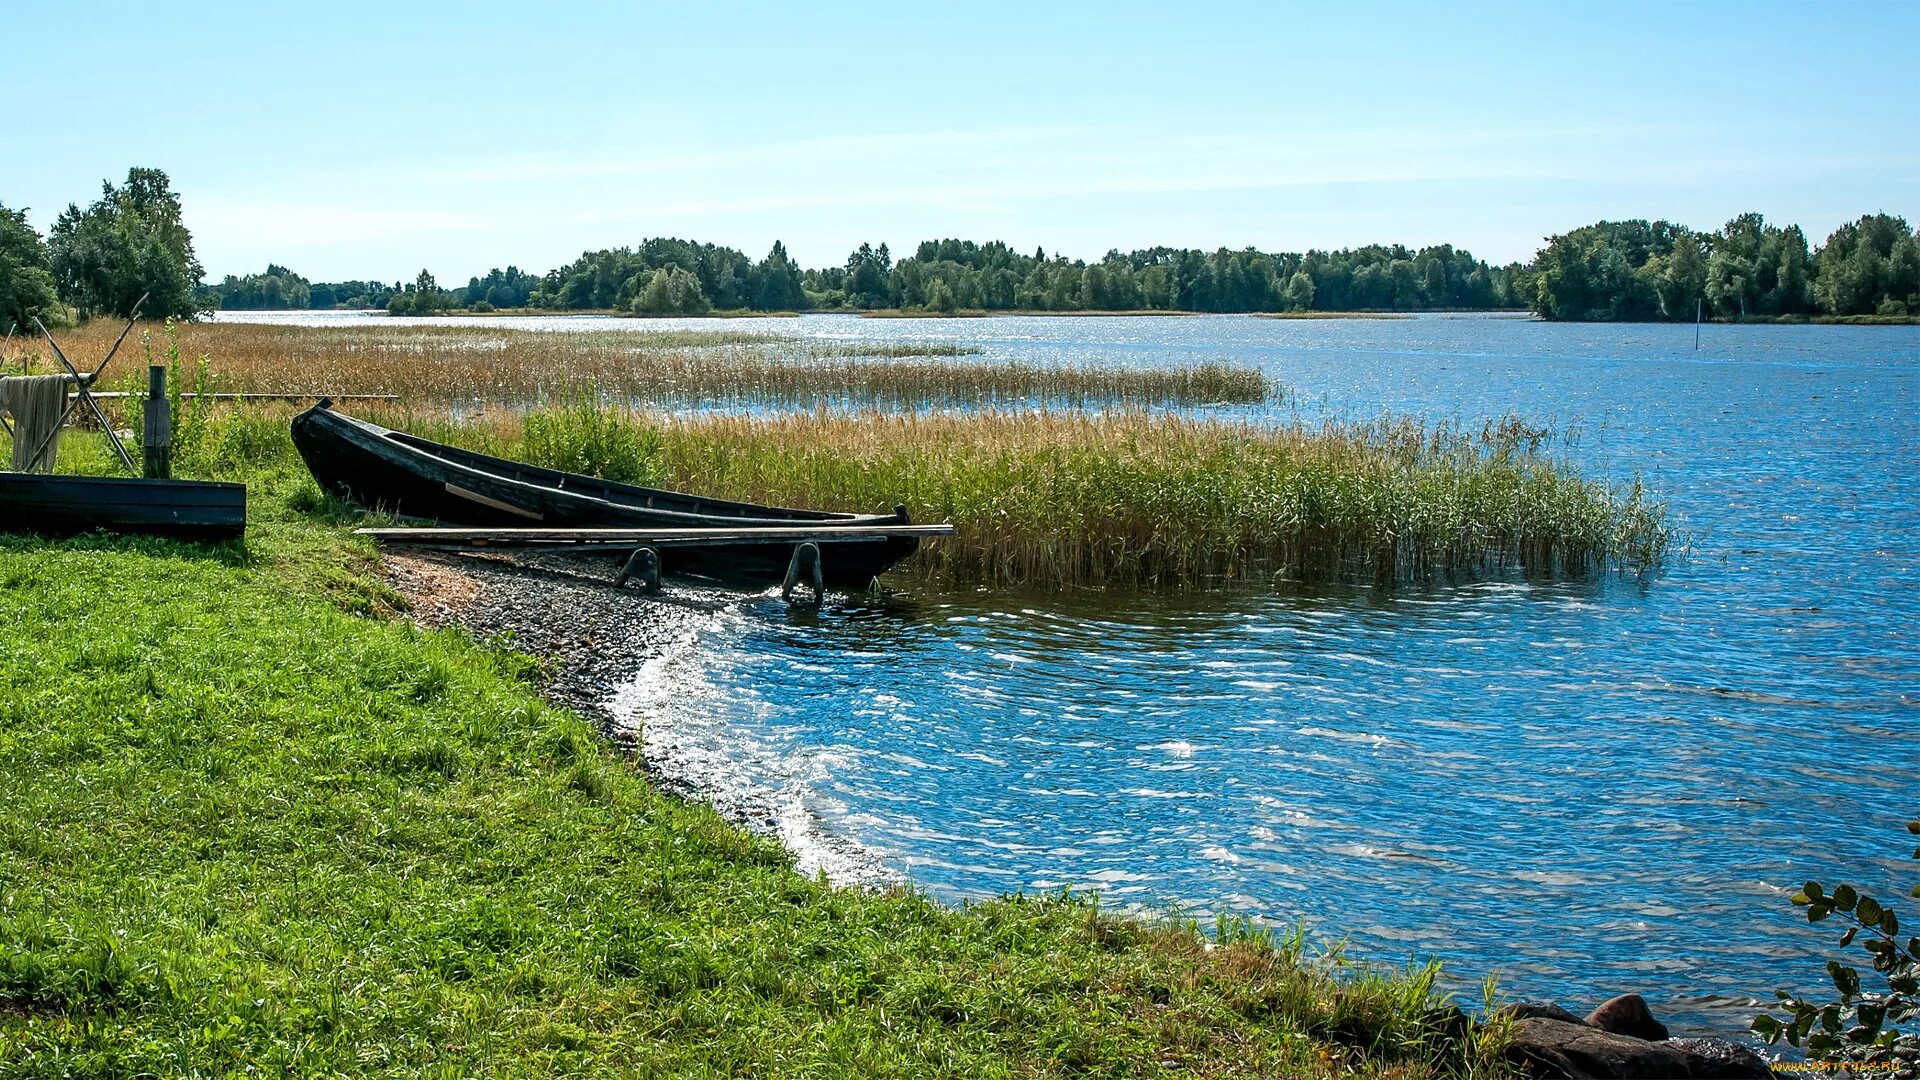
x=37 y=403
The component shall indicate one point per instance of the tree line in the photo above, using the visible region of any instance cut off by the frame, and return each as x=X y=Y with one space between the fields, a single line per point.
x=1641 y=270
x=680 y=277
x=132 y=242
x=1611 y=270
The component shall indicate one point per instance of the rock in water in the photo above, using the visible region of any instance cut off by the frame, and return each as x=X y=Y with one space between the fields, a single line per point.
x=1556 y=1050
x=1628 y=1015
x=1540 y=1010
x=1718 y=1059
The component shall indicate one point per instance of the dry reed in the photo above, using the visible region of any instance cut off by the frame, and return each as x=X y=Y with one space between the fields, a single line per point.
x=471 y=366
x=1056 y=500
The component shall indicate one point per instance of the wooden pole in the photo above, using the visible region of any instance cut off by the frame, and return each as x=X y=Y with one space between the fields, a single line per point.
x=1698 y=310
x=156 y=442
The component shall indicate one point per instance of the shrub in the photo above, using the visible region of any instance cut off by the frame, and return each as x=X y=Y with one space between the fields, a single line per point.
x=1860 y=1028
x=599 y=442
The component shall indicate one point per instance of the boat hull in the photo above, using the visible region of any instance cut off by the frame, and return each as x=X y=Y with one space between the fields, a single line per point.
x=48 y=505
x=407 y=476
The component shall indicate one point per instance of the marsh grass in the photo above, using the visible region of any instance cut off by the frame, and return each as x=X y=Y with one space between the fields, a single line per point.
x=250 y=829
x=1060 y=500
x=1055 y=500
x=469 y=366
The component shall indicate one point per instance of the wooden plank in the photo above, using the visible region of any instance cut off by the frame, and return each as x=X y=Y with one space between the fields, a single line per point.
x=264 y=397
x=607 y=539
x=493 y=504
x=780 y=532
x=590 y=546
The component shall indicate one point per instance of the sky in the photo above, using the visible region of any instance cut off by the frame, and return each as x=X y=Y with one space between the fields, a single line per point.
x=369 y=141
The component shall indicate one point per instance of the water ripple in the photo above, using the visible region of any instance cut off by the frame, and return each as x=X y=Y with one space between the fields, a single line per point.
x=1590 y=786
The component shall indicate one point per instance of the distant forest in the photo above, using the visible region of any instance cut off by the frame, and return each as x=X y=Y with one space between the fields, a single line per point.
x=132 y=242
x=1612 y=270
x=668 y=276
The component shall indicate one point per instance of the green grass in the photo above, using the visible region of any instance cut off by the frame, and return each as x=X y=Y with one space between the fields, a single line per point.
x=250 y=826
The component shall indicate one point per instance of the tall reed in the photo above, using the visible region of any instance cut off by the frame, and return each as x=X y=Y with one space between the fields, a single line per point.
x=471 y=366
x=1065 y=499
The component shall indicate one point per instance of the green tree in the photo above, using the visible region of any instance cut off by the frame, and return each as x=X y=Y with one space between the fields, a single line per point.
x=1680 y=278
x=428 y=297
x=1791 y=288
x=1854 y=269
x=130 y=242
x=1300 y=291
x=671 y=290
x=423 y=297
x=277 y=289
x=26 y=274
x=1730 y=282
x=1903 y=275
x=1433 y=282
x=940 y=296
x=1599 y=271
x=776 y=282
x=870 y=277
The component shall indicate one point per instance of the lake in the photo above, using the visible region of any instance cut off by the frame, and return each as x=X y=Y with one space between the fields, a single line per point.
x=1586 y=787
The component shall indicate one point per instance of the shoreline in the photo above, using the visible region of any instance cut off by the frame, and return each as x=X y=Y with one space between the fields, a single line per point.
x=915 y=313
x=610 y=655
x=607 y=654
x=335 y=838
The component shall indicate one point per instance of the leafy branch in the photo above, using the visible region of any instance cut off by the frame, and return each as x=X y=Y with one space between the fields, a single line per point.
x=1862 y=1026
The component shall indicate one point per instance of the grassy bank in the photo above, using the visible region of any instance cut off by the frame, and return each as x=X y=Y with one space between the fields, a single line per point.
x=469 y=365
x=247 y=831
x=1068 y=499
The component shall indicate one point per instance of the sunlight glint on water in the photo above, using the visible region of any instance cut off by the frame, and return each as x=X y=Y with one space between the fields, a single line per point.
x=1590 y=787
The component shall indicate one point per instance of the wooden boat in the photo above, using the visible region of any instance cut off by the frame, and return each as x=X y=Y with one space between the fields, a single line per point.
x=409 y=476
x=47 y=505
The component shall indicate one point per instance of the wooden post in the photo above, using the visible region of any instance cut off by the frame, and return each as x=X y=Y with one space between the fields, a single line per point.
x=157 y=440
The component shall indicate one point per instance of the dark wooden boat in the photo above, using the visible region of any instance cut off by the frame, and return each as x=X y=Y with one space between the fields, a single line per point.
x=409 y=476
x=47 y=505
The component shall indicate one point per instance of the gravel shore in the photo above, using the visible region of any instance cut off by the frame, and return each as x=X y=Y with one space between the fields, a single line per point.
x=594 y=638
x=566 y=611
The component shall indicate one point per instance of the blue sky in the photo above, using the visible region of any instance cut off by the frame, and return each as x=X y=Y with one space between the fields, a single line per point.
x=358 y=140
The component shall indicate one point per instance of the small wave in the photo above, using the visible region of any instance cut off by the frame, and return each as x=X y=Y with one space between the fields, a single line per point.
x=695 y=748
x=1348 y=736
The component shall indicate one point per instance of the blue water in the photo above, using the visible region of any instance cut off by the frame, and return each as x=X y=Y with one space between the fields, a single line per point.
x=1587 y=788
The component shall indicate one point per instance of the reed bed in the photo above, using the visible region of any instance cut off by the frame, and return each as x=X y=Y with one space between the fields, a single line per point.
x=472 y=366
x=1057 y=500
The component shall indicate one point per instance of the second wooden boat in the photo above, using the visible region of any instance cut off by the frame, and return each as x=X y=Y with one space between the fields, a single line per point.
x=47 y=505
x=409 y=476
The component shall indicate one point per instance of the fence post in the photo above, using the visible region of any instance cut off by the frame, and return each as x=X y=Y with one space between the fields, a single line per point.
x=156 y=440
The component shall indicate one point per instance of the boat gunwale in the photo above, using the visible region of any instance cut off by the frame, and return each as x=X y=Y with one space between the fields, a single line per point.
x=387 y=443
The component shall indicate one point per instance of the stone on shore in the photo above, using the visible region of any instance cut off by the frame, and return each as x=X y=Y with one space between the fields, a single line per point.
x=1556 y=1050
x=1718 y=1059
x=1628 y=1015
x=1540 y=1010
